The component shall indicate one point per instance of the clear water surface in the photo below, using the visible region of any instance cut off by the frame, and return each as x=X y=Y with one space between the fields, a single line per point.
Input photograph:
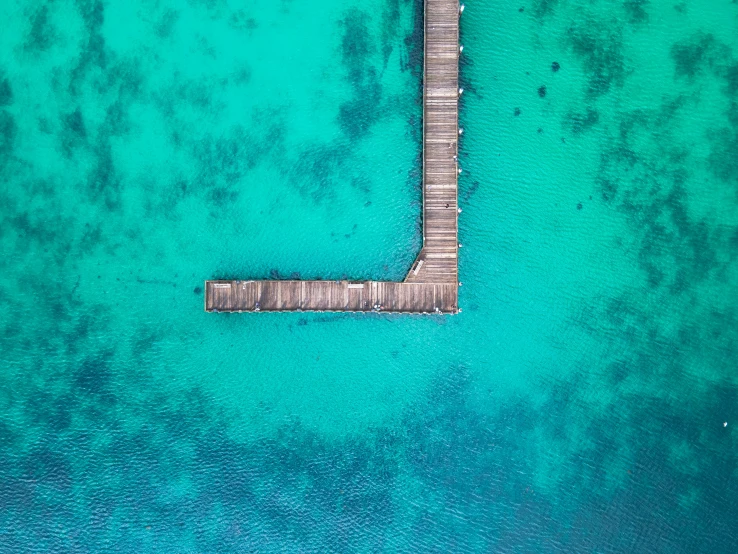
x=576 y=405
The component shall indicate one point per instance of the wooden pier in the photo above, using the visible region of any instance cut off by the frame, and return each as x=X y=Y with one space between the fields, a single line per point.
x=431 y=285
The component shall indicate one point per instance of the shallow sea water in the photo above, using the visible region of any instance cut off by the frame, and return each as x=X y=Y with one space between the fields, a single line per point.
x=576 y=405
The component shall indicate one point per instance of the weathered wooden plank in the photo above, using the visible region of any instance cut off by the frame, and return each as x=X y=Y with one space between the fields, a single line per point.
x=329 y=296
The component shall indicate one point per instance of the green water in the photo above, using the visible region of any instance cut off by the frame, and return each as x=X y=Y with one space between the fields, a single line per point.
x=576 y=405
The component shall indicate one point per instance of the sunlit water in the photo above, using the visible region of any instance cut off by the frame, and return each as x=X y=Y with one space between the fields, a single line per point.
x=576 y=405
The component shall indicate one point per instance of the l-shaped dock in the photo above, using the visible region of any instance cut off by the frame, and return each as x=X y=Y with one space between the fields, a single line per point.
x=431 y=285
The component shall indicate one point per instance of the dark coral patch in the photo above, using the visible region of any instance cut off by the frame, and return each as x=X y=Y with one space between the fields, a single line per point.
x=472 y=190
x=95 y=374
x=357 y=44
x=414 y=43
x=117 y=121
x=222 y=197
x=94 y=50
x=695 y=55
x=223 y=161
x=73 y=132
x=357 y=115
x=703 y=54
x=104 y=181
x=242 y=21
x=578 y=122
x=91 y=238
x=731 y=89
x=599 y=45
x=677 y=251
x=8 y=131
x=723 y=157
x=6 y=92
x=74 y=124
x=42 y=34
x=390 y=28
x=316 y=170
x=636 y=10
x=50 y=467
x=225 y=158
x=167 y=23
x=543 y=8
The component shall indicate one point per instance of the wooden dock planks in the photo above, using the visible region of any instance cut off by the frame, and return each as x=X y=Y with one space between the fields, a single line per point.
x=431 y=285
x=438 y=259
x=330 y=296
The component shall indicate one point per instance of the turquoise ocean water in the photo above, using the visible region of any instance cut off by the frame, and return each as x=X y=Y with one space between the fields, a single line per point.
x=576 y=405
